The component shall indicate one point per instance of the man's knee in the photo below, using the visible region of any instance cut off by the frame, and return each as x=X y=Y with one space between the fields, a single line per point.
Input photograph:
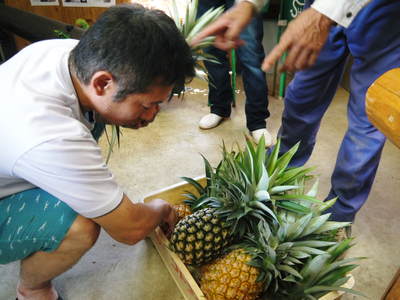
x=83 y=234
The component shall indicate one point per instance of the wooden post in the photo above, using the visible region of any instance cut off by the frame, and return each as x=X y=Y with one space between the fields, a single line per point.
x=383 y=105
x=383 y=110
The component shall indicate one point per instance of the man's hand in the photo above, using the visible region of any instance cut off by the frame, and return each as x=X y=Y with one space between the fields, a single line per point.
x=131 y=222
x=304 y=39
x=228 y=27
x=169 y=218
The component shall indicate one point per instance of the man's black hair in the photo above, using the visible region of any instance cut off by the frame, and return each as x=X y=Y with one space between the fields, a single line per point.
x=138 y=46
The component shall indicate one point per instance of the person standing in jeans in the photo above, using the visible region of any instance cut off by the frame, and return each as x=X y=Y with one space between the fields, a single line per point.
x=373 y=40
x=251 y=56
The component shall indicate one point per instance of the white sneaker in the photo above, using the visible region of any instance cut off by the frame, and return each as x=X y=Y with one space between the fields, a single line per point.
x=257 y=134
x=210 y=121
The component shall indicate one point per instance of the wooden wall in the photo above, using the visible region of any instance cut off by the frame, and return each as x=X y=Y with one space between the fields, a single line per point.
x=60 y=13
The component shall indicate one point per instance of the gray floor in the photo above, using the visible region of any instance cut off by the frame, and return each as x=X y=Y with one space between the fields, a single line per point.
x=155 y=157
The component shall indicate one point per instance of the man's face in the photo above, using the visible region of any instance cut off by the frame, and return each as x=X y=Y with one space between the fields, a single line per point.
x=135 y=110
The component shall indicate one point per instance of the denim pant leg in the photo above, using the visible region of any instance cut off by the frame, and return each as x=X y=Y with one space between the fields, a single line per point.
x=374 y=41
x=309 y=95
x=219 y=87
x=220 y=90
x=251 y=56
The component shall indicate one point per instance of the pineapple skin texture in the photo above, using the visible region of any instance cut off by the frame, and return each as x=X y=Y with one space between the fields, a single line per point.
x=200 y=237
x=230 y=277
x=182 y=211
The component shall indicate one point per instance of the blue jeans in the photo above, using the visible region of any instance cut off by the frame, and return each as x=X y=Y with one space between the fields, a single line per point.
x=251 y=56
x=373 y=39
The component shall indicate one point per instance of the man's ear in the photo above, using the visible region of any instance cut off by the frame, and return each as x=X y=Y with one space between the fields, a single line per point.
x=102 y=82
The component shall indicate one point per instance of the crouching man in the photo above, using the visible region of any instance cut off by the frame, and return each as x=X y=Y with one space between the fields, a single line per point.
x=55 y=190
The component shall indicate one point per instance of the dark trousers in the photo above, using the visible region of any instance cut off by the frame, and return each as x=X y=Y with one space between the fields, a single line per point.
x=251 y=56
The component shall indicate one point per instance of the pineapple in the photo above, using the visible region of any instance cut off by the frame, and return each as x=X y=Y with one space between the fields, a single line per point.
x=296 y=258
x=293 y=264
x=200 y=237
x=289 y=249
x=192 y=200
x=238 y=194
x=221 y=210
x=231 y=277
x=182 y=210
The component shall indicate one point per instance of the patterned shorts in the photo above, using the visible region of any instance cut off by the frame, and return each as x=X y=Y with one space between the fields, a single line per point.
x=32 y=221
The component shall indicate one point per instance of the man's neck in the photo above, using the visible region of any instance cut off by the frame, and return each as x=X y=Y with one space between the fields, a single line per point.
x=83 y=99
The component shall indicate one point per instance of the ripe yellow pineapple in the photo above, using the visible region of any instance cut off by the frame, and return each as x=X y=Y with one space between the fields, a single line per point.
x=237 y=196
x=292 y=264
x=182 y=210
x=230 y=277
x=286 y=249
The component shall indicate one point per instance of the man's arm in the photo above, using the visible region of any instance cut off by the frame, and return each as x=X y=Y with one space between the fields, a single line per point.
x=228 y=26
x=258 y=4
x=306 y=35
x=341 y=12
x=132 y=222
x=303 y=39
x=72 y=169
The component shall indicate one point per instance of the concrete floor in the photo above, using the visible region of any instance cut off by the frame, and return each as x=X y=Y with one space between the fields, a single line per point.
x=155 y=157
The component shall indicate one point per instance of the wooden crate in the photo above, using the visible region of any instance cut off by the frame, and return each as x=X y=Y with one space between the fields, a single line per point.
x=393 y=291
x=178 y=270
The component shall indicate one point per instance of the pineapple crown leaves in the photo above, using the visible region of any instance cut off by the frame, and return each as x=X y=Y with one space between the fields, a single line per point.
x=195 y=26
x=279 y=165
x=286 y=184
x=240 y=209
x=189 y=25
x=239 y=176
x=203 y=195
x=240 y=191
x=274 y=162
x=305 y=267
x=115 y=138
x=274 y=259
x=198 y=199
x=260 y=247
x=338 y=249
x=301 y=202
x=310 y=226
x=240 y=188
x=280 y=251
x=321 y=274
x=297 y=202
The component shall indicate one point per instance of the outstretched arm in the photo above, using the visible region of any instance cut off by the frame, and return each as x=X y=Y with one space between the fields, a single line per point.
x=306 y=35
x=303 y=38
x=132 y=222
x=228 y=27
